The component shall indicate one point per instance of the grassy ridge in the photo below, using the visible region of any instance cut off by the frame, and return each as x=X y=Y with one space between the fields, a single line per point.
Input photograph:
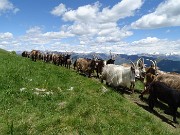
x=40 y=98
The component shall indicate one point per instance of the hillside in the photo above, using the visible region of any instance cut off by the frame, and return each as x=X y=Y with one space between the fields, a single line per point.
x=40 y=98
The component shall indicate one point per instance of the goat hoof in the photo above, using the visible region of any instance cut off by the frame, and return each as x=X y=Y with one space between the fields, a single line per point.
x=151 y=109
x=168 y=112
x=131 y=92
x=175 y=121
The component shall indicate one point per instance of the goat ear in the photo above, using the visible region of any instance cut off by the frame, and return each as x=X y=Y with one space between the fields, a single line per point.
x=153 y=77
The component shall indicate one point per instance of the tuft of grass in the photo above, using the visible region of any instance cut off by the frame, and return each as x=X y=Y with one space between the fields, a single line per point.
x=41 y=98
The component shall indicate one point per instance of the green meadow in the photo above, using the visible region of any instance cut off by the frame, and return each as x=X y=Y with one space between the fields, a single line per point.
x=38 y=98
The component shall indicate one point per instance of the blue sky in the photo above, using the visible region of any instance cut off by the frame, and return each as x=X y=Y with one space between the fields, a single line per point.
x=122 y=26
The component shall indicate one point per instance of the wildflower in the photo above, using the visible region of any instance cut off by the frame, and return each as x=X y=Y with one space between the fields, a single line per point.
x=71 y=88
x=104 y=89
x=62 y=104
x=22 y=89
x=42 y=90
x=49 y=92
x=37 y=93
x=59 y=89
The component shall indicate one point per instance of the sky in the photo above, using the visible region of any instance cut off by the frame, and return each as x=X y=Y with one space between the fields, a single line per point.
x=122 y=26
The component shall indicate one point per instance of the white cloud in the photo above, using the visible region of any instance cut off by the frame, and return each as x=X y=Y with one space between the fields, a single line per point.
x=6 y=40
x=85 y=14
x=36 y=36
x=57 y=35
x=34 y=30
x=149 y=45
x=81 y=29
x=166 y=14
x=92 y=13
x=123 y=9
x=148 y=40
x=6 y=36
x=154 y=45
x=100 y=25
x=59 y=10
x=49 y=41
x=6 y=6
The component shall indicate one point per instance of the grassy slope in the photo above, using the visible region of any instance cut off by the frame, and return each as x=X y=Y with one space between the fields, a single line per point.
x=68 y=104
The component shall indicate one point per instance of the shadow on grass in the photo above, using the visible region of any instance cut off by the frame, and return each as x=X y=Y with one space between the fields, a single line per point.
x=120 y=90
x=125 y=90
x=161 y=106
x=158 y=104
x=137 y=91
x=164 y=119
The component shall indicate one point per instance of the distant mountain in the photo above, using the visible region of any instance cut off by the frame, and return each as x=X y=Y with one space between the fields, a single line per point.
x=19 y=52
x=173 y=57
x=169 y=65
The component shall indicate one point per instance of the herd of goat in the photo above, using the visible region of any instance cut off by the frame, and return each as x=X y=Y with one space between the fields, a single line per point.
x=158 y=84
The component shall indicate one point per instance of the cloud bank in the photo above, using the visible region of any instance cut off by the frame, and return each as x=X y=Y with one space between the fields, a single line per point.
x=165 y=15
x=100 y=24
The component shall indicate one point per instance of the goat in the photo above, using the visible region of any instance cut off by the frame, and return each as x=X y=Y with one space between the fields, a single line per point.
x=150 y=75
x=117 y=75
x=34 y=55
x=85 y=66
x=159 y=90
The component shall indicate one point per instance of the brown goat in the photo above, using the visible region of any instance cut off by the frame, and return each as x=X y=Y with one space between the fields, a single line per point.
x=55 y=59
x=99 y=67
x=34 y=55
x=68 y=63
x=150 y=75
x=85 y=66
x=149 y=79
x=170 y=80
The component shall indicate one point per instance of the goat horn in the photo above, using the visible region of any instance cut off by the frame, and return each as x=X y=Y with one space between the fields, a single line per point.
x=153 y=63
x=138 y=61
x=113 y=57
x=116 y=55
x=132 y=63
x=144 y=65
x=110 y=54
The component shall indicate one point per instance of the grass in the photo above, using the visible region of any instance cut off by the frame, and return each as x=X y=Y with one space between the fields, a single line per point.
x=37 y=98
